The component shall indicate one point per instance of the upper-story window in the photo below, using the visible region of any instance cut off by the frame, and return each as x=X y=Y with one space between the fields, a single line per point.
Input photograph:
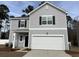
x=22 y=23
x=47 y=20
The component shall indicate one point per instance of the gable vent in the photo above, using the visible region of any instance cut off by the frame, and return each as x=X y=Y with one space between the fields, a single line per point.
x=46 y=6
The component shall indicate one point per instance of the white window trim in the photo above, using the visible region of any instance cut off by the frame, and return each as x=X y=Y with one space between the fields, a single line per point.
x=22 y=20
x=20 y=25
x=47 y=28
x=46 y=20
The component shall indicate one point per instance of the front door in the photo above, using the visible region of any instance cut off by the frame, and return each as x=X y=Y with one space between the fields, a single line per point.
x=21 y=41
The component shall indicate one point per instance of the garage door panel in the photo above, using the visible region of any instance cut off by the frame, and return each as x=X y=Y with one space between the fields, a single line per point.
x=48 y=42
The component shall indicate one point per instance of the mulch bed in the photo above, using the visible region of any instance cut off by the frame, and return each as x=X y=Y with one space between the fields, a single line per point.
x=8 y=49
x=73 y=53
x=12 y=54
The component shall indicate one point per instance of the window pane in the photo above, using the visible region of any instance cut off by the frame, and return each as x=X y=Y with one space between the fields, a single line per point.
x=43 y=18
x=49 y=18
x=43 y=22
x=22 y=23
x=49 y=22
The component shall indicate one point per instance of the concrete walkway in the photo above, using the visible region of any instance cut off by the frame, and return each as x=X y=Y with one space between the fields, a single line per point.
x=46 y=53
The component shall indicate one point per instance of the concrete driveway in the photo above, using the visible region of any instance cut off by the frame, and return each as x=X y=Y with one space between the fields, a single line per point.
x=46 y=53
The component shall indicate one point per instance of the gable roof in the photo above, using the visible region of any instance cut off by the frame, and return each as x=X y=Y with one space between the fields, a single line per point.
x=60 y=9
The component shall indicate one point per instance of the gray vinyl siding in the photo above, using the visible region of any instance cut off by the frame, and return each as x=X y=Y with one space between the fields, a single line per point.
x=33 y=22
x=60 y=22
x=14 y=25
x=60 y=17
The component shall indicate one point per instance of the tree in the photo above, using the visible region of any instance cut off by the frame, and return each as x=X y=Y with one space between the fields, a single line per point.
x=42 y=3
x=28 y=9
x=3 y=11
x=23 y=15
x=3 y=14
x=68 y=19
x=11 y=16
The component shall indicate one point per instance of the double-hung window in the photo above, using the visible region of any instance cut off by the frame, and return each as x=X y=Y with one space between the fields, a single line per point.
x=22 y=23
x=43 y=21
x=47 y=20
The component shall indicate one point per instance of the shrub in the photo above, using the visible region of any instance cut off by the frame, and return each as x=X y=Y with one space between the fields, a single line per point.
x=10 y=45
x=7 y=45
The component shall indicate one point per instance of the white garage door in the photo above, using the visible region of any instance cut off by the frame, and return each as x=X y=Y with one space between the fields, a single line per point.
x=48 y=42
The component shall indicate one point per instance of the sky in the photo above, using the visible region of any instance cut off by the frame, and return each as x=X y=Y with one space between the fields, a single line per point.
x=16 y=7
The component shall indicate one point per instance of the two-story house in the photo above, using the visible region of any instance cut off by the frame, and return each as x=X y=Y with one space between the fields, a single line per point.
x=44 y=28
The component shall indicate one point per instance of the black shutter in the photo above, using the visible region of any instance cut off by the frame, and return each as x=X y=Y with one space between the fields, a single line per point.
x=25 y=23
x=19 y=23
x=53 y=20
x=40 y=20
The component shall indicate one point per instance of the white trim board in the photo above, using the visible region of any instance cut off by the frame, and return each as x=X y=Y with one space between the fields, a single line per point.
x=48 y=35
x=47 y=28
x=4 y=41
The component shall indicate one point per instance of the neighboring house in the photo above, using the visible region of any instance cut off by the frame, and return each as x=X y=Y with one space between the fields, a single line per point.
x=44 y=28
